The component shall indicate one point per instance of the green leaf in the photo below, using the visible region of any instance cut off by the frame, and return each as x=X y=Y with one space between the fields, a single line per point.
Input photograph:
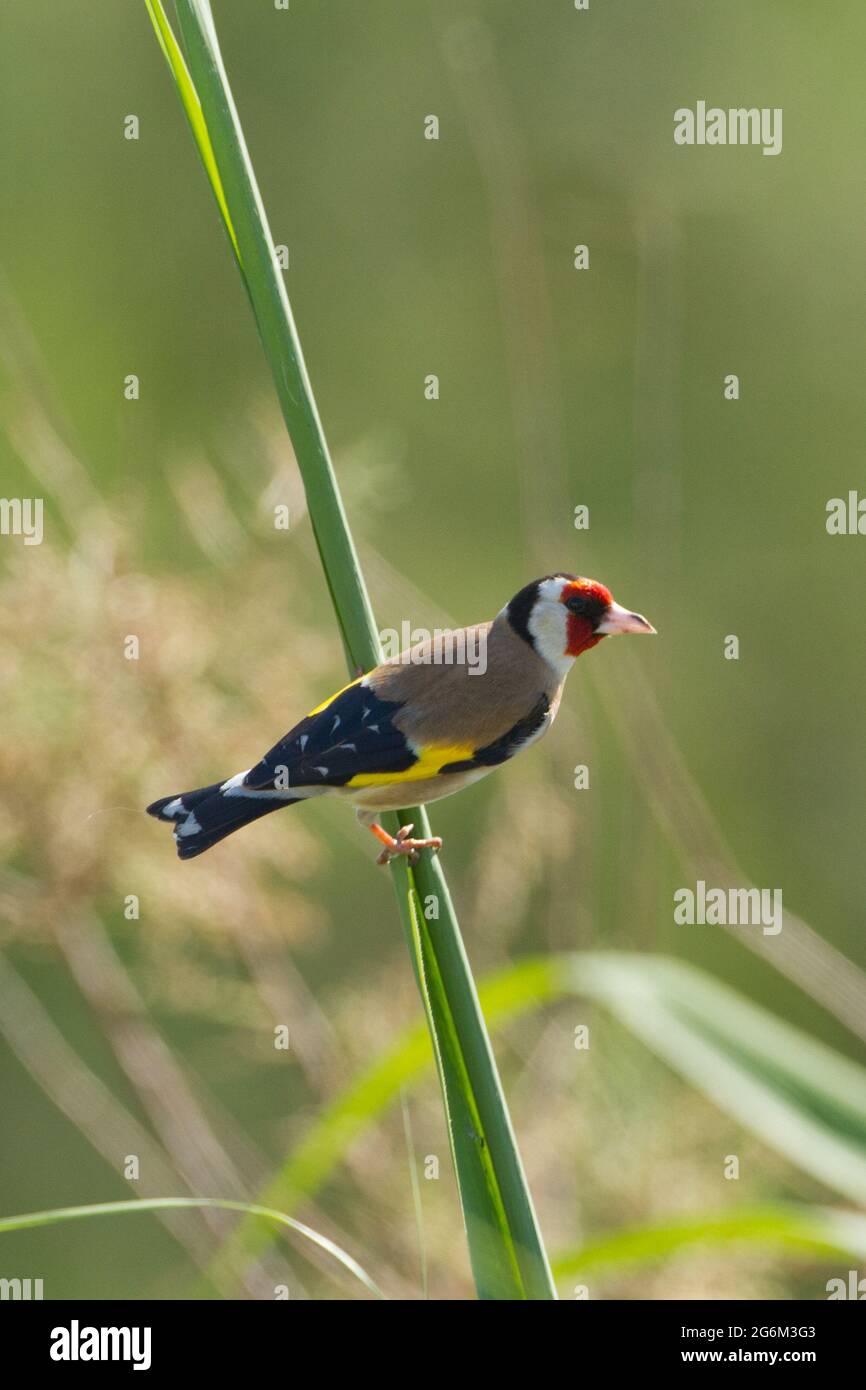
x=817 y=1231
x=801 y=1097
x=58 y=1214
x=488 y=1229
x=192 y=106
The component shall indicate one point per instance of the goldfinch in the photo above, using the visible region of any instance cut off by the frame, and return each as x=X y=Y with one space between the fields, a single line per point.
x=421 y=726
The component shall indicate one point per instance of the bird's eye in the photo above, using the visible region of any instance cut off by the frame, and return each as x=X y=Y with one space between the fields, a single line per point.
x=588 y=606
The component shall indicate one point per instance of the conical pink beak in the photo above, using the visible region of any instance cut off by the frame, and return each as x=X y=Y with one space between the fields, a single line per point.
x=619 y=619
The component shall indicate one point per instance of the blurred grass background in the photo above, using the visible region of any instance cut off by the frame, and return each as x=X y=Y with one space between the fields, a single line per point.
x=410 y=257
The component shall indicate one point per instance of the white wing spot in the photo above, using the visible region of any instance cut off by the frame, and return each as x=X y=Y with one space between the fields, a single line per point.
x=233 y=783
x=188 y=827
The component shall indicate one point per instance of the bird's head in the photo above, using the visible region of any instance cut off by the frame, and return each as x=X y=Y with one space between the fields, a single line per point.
x=563 y=615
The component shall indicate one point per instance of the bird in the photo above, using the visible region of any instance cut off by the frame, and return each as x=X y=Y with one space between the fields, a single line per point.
x=420 y=726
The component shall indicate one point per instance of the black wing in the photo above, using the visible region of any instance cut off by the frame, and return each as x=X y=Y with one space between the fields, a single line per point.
x=351 y=734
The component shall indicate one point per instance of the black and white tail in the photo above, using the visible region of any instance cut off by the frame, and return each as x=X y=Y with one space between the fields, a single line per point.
x=203 y=817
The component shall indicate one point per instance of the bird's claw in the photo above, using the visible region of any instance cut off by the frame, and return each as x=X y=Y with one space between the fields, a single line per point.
x=403 y=844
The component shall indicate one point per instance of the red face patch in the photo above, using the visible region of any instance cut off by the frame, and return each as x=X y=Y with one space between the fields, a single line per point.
x=587 y=601
x=580 y=635
x=588 y=589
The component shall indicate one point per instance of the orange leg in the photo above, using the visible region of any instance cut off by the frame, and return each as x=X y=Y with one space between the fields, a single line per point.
x=402 y=844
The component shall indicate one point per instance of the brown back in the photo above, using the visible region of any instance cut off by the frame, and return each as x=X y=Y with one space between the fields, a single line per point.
x=448 y=704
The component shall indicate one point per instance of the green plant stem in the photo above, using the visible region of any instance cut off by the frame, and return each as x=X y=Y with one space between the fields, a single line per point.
x=279 y=335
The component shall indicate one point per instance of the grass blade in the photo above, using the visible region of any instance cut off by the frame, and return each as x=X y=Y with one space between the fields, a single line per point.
x=192 y=106
x=494 y=1254
x=58 y=1214
x=821 y=1231
x=278 y=333
x=801 y=1097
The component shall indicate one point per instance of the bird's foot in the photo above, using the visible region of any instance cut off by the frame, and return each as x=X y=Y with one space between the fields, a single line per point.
x=403 y=844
